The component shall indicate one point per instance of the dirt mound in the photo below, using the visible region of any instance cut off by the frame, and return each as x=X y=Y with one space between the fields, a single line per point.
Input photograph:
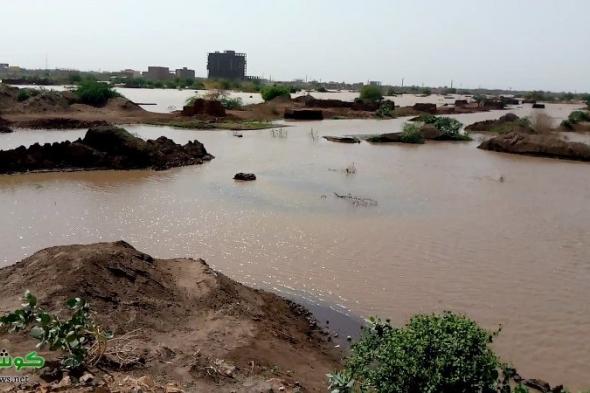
x=201 y=106
x=4 y=126
x=304 y=114
x=545 y=145
x=122 y=104
x=505 y=124
x=193 y=326
x=104 y=148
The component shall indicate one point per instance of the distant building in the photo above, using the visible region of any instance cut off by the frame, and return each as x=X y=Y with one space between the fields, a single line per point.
x=129 y=73
x=157 y=73
x=3 y=66
x=226 y=65
x=185 y=73
x=375 y=83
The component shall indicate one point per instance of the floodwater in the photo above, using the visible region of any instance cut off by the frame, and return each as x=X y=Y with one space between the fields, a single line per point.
x=503 y=238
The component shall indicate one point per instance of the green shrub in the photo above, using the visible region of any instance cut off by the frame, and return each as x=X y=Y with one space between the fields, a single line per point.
x=578 y=117
x=371 y=93
x=272 y=91
x=438 y=353
x=23 y=95
x=425 y=118
x=80 y=338
x=448 y=126
x=412 y=133
x=95 y=93
x=386 y=109
x=231 y=103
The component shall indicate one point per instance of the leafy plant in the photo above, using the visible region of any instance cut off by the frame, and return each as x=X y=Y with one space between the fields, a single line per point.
x=340 y=383
x=386 y=109
x=23 y=95
x=231 y=103
x=371 y=93
x=412 y=133
x=437 y=353
x=272 y=91
x=568 y=125
x=95 y=93
x=578 y=117
x=79 y=337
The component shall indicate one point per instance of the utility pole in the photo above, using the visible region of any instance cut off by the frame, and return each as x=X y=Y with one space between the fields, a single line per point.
x=402 y=82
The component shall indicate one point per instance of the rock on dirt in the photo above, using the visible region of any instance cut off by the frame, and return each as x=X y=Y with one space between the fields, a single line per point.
x=342 y=139
x=244 y=176
x=210 y=323
x=104 y=148
x=425 y=107
x=506 y=123
x=544 y=145
x=304 y=114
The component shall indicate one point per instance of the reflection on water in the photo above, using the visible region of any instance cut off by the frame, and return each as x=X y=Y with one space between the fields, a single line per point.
x=446 y=233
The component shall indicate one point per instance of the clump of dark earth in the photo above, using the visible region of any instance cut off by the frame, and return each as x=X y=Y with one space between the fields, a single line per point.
x=507 y=123
x=201 y=106
x=544 y=145
x=304 y=114
x=244 y=176
x=62 y=123
x=425 y=107
x=342 y=139
x=104 y=148
x=4 y=126
x=538 y=106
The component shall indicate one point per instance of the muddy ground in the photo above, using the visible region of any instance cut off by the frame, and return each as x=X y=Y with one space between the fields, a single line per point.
x=178 y=324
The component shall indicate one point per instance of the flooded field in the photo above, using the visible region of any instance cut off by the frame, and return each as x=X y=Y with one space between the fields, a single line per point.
x=444 y=232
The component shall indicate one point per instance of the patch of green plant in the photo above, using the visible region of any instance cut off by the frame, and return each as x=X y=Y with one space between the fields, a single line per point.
x=371 y=93
x=412 y=133
x=566 y=124
x=450 y=129
x=81 y=339
x=425 y=118
x=95 y=93
x=386 y=109
x=442 y=353
x=578 y=117
x=269 y=92
x=23 y=95
x=231 y=103
x=321 y=89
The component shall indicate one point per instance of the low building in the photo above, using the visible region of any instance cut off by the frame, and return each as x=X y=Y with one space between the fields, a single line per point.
x=3 y=66
x=129 y=73
x=185 y=73
x=375 y=83
x=156 y=73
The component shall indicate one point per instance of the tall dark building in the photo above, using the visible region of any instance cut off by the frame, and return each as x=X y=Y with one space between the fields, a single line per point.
x=226 y=65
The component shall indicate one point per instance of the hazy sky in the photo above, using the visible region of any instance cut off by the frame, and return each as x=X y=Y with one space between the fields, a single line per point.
x=520 y=44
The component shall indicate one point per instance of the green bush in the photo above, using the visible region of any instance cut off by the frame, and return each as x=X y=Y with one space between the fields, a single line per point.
x=578 y=117
x=386 y=109
x=448 y=125
x=231 y=103
x=371 y=93
x=568 y=125
x=95 y=93
x=412 y=133
x=23 y=95
x=438 y=353
x=272 y=91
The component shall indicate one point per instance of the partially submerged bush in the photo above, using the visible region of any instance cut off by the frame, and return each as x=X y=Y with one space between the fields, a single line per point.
x=80 y=338
x=272 y=91
x=371 y=93
x=95 y=93
x=438 y=353
x=231 y=103
x=23 y=95
x=578 y=117
x=449 y=127
x=412 y=133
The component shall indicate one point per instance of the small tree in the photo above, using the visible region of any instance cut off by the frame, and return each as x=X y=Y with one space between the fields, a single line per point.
x=95 y=93
x=272 y=91
x=371 y=93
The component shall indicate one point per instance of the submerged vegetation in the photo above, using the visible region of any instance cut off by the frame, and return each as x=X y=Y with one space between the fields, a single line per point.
x=449 y=127
x=95 y=93
x=412 y=133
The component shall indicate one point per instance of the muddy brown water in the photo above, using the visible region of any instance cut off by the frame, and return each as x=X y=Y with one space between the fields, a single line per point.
x=503 y=238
